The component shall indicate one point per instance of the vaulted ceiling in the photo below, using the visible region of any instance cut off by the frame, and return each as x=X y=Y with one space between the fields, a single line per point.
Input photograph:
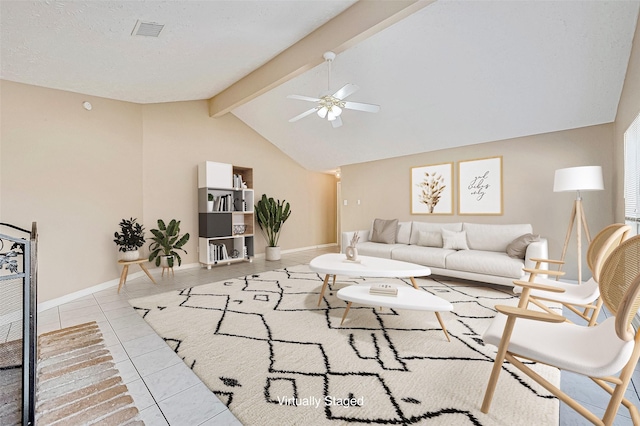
x=445 y=73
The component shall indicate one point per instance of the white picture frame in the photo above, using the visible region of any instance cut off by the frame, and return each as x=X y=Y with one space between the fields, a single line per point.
x=480 y=186
x=432 y=189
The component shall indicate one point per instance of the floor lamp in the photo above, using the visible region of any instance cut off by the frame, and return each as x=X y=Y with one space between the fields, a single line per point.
x=586 y=178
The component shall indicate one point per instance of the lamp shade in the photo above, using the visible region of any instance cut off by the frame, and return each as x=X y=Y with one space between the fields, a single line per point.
x=585 y=178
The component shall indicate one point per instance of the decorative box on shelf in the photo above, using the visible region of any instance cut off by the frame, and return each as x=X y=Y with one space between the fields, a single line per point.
x=239 y=229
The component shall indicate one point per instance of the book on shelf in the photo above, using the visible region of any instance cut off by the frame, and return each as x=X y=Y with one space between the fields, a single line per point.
x=238 y=182
x=383 y=289
x=217 y=252
x=223 y=203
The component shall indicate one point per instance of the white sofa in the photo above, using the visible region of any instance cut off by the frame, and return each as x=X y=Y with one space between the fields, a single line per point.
x=486 y=259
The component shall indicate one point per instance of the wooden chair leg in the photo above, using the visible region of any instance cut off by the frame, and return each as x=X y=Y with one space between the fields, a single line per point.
x=625 y=377
x=596 y=312
x=497 y=364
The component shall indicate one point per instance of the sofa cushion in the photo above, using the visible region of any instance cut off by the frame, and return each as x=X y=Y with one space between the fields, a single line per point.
x=518 y=247
x=416 y=227
x=384 y=231
x=454 y=240
x=376 y=249
x=427 y=256
x=485 y=262
x=493 y=237
x=404 y=233
x=430 y=239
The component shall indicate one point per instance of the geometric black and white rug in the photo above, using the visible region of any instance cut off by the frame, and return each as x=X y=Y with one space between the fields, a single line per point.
x=265 y=348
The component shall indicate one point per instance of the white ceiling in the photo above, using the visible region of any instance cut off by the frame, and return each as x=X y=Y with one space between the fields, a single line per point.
x=454 y=73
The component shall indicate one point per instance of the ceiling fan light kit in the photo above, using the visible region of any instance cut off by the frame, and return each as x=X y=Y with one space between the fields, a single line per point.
x=331 y=106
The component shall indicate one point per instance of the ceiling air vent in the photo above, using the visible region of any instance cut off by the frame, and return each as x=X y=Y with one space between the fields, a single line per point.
x=147 y=29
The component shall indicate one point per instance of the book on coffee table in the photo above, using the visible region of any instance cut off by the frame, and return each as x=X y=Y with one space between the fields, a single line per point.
x=383 y=289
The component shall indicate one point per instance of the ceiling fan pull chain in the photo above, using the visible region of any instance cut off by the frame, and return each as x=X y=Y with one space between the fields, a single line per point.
x=329 y=75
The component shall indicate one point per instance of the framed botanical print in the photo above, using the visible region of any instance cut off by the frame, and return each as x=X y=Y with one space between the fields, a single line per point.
x=480 y=186
x=432 y=189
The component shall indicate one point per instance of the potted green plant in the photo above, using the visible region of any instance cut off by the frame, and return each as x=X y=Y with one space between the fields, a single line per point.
x=129 y=239
x=271 y=215
x=209 y=202
x=165 y=241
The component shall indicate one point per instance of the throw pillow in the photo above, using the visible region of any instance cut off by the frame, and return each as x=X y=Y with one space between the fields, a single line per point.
x=518 y=247
x=384 y=231
x=453 y=240
x=430 y=239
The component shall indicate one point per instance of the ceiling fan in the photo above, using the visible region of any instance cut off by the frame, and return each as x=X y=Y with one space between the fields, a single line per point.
x=331 y=106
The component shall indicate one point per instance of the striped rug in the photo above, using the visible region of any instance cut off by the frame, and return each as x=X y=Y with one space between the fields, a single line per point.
x=78 y=383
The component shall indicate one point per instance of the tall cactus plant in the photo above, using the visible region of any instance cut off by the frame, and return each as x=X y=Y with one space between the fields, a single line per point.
x=271 y=214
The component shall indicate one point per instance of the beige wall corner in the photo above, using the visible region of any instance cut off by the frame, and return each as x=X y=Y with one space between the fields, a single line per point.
x=74 y=172
x=628 y=110
x=77 y=173
x=529 y=164
x=178 y=136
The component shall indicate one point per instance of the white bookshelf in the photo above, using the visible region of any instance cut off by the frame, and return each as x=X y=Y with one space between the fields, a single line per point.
x=219 y=239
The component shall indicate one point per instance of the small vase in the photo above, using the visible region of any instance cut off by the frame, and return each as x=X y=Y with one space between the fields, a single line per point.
x=209 y=206
x=131 y=255
x=352 y=253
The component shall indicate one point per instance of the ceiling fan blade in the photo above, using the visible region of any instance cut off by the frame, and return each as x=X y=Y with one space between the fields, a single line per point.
x=304 y=114
x=345 y=91
x=337 y=122
x=362 y=107
x=303 y=98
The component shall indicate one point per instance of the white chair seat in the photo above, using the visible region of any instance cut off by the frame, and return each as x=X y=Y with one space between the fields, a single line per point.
x=593 y=351
x=576 y=294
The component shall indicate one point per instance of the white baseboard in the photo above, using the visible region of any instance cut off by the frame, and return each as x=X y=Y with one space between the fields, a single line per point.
x=113 y=283
x=261 y=255
x=104 y=286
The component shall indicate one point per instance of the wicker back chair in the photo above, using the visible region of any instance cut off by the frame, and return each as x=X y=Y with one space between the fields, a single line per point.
x=583 y=299
x=607 y=352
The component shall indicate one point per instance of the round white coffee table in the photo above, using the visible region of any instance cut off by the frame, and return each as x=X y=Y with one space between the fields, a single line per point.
x=366 y=266
x=407 y=298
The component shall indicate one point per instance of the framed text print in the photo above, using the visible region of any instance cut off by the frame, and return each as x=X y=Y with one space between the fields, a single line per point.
x=480 y=186
x=432 y=189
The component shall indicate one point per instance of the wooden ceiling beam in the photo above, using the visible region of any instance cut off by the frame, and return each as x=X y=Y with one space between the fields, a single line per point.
x=360 y=21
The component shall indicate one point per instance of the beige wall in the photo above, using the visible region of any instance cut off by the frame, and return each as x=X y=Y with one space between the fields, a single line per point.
x=78 y=173
x=170 y=177
x=529 y=163
x=74 y=172
x=628 y=110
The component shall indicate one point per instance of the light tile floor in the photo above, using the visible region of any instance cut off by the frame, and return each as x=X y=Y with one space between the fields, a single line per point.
x=167 y=392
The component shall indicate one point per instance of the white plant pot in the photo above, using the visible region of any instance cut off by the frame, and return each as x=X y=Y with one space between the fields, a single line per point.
x=272 y=253
x=209 y=206
x=130 y=255
x=164 y=261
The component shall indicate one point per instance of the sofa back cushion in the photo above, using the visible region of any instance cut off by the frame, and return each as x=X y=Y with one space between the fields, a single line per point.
x=384 y=231
x=416 y=227
x=404 y=232
x=494 y=237
x=430 y=239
